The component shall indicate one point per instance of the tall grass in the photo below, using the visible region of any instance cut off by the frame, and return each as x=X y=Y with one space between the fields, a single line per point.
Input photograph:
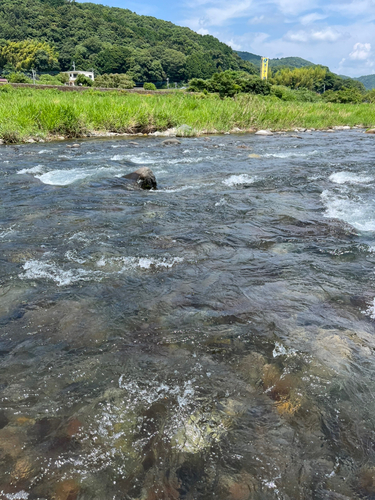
x=32 y=113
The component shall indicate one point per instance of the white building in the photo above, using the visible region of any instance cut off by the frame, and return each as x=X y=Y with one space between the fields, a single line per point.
x=73 y=75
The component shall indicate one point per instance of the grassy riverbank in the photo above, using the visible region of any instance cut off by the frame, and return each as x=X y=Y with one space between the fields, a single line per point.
x=45 y=114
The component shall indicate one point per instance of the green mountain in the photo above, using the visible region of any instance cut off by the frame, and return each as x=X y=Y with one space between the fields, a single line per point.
x=290 y=62
x=113 y=40
x=368 y=81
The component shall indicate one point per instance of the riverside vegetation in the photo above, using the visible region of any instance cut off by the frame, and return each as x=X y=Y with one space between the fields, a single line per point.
x=45 y=114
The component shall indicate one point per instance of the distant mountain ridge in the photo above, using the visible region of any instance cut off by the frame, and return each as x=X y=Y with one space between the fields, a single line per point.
x=297 y=62
x=291 y=62
x=114 y=40
x=368 y=81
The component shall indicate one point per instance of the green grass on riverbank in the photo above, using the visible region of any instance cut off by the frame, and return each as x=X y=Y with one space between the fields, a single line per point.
x=29 y=113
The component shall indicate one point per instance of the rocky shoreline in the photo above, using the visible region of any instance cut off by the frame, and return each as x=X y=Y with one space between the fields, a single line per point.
x=187 y=131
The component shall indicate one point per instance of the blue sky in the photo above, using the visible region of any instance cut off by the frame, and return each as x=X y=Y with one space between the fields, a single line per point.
x=337 y=33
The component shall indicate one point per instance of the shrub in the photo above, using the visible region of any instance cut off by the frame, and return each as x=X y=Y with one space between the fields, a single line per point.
x=18 y=78
x=83 y=80
x=299 y=95
x=49 y=80
x=149 y=86
x=63 y=77
x=114 y=81
x=344 y=96
x=229 y=83
x=370 y=96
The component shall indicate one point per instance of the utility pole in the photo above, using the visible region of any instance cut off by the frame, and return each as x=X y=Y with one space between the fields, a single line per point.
x=74 y=66
x=34 y=75
x=167 y=83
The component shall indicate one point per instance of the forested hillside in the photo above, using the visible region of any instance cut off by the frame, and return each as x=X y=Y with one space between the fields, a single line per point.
x=368 y=81
x=112 y=40
x=289 y=62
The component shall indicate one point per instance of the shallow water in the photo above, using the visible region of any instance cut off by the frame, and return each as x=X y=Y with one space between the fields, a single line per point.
x=212 y=339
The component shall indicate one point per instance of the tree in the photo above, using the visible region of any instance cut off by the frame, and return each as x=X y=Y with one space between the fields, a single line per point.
x=30 y=54
x=83 y=80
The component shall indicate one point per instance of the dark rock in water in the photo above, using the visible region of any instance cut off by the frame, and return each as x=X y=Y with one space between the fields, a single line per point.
x=171 y=142
x=144 y=177
x=3 y=420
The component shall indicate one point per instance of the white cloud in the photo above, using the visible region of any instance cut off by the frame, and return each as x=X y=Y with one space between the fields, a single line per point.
x=302 y=28
x=311 y=18
x=220 y=13
x=324 y=35
x=234 y=45
x=256 y=20
x=295 y=7
x=353 y=8
x=360 y=52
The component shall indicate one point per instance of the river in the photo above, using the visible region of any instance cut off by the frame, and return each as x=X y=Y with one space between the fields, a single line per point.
x=213 y=339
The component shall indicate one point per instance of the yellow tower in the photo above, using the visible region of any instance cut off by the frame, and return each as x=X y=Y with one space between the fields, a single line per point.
x=264 y=69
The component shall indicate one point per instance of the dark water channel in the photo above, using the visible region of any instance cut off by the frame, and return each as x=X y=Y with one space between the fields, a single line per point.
x=210 y=340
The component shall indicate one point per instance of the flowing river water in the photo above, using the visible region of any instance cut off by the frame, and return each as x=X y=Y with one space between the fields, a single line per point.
x=213 y=339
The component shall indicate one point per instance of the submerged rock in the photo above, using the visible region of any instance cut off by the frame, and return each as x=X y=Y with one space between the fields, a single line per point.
x=144 y=177
x=171 y=142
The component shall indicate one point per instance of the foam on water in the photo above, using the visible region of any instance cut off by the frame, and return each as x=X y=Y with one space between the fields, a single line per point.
x=62 y=177
x=350 y=178
x=7 y=232
x=184 y=188
x=20 y=495
x=370 y=311
x=237 y=180
x=357 y=213
x=221 y=203
x=141 y=158
x=35 y=269
x=73 y=257
x=291 y=154
x=66 y=177
x=43 y=151
x=129 y=263
x=34 y=170
x=177 y=161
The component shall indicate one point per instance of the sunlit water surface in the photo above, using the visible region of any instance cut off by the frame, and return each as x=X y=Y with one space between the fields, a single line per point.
x=210 y=340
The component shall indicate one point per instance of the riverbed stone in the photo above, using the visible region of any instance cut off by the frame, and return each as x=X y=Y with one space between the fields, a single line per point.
x=171 y=142
x=22 y=470
x=264 y=132
x=144 y=177
x=67 y=490
x=69 y=321
x=370 y=131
